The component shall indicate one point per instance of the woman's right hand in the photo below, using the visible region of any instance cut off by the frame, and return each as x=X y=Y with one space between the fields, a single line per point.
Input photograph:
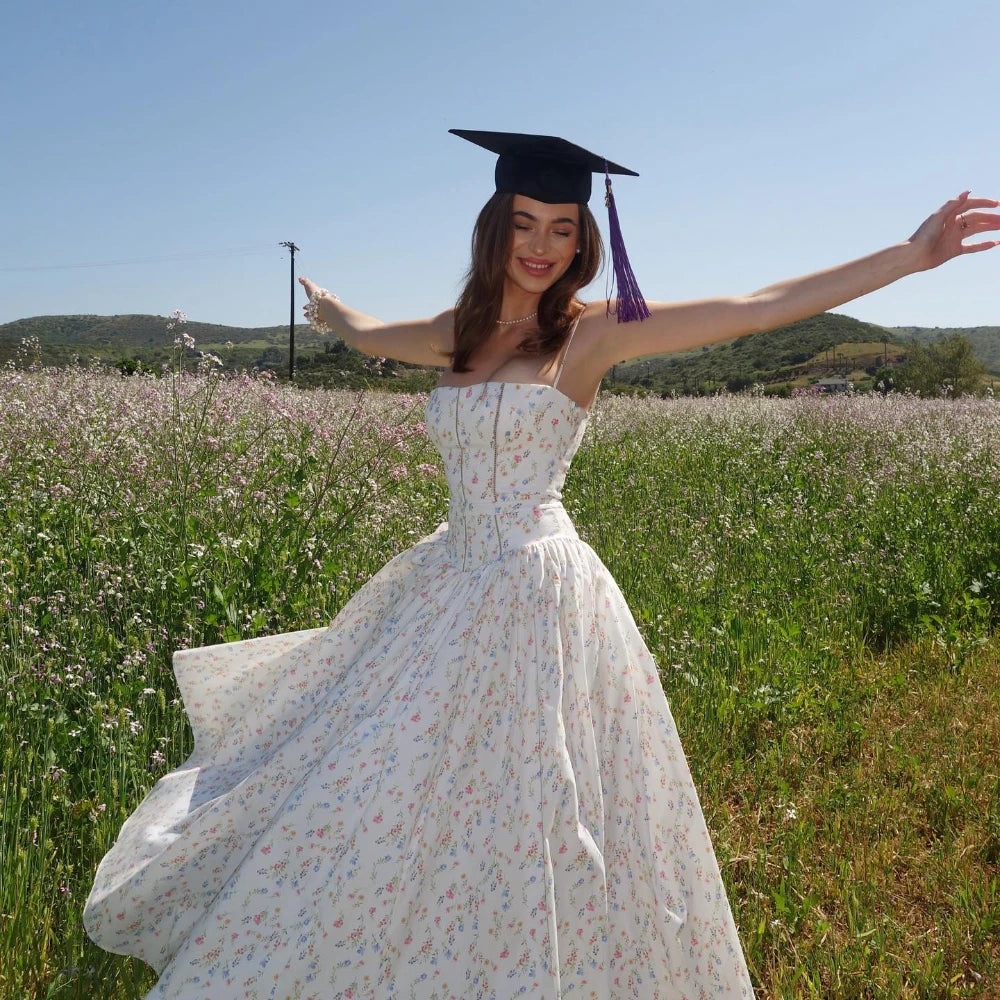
x=309 y=286
x=317 y=297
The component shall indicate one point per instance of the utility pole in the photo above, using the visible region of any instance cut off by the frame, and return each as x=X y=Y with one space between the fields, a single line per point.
x=291 y=316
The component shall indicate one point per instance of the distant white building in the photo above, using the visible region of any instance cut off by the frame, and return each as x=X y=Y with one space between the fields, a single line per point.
x=834 y=385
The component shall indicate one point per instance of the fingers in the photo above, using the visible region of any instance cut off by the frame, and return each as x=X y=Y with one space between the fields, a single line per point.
x=973 y=223
x=949 y=210
x=956 y=204
x=977 y=247
x=965 y=203
x=973 y=203
x=981 y=218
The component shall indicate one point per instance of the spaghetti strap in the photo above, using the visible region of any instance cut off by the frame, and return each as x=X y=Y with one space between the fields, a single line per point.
x=569 y=340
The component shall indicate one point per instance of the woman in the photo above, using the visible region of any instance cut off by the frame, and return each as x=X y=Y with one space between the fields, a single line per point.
x=469 y=785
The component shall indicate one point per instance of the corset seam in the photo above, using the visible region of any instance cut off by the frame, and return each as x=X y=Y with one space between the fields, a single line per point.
x=496 y=449
x=461 y=483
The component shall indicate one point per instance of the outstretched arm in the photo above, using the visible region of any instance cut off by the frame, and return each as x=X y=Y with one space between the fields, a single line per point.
x=683 y=325
x=418 y=342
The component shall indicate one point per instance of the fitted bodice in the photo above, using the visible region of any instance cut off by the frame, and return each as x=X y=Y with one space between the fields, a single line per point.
x=506 y=447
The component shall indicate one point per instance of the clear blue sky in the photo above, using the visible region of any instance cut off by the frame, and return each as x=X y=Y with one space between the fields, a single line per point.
x=772 y=138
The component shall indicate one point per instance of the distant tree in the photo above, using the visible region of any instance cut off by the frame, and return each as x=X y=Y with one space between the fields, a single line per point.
x=132 y=366
x=885 y=379
x=946 y=367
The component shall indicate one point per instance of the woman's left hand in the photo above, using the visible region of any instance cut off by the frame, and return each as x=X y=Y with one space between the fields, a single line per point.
x=942 y=236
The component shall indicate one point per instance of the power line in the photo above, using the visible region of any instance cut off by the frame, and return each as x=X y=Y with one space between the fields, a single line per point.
x=257 y=250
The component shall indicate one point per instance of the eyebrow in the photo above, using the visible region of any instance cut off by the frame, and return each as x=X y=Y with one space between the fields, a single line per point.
x=556 y=222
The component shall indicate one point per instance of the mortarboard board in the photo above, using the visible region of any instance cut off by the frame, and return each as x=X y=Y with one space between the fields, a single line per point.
x=553 y=170
x=542 y=167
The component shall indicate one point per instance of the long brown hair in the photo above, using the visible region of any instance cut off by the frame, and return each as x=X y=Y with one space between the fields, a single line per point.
x=478 y=308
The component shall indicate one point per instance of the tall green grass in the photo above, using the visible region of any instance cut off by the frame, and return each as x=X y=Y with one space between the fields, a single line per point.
x=817 y=577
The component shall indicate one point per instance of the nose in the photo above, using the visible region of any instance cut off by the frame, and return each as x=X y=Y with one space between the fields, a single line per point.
x=539 y=242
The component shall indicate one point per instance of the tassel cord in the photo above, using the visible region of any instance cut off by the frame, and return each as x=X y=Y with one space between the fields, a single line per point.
x=630 y=304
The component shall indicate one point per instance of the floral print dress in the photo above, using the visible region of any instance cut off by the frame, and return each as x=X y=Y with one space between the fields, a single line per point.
x=468 y=786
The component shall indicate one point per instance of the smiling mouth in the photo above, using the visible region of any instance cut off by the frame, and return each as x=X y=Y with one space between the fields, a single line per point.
x=535 y=266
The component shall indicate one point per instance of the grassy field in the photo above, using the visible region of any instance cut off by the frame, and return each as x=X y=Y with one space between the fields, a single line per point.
x=818 y=578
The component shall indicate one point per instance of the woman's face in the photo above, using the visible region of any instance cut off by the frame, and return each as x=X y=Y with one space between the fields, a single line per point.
x=545 y=238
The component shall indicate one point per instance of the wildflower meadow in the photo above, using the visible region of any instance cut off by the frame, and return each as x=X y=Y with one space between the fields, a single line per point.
x=819 y=578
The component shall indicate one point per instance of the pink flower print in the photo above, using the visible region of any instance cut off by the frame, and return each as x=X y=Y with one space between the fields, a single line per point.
x=443 y=579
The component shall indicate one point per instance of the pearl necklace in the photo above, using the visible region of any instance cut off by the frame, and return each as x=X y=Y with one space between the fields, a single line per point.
x=514 y=322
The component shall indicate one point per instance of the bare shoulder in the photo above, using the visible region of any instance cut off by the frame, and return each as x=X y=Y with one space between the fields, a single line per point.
x=597 y=342
x=443 y=325
x=589 y=354
x=442 y=336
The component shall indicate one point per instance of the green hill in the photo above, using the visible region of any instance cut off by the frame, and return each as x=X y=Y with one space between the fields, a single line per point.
x=123 y=332
x=791 y=355
x=985 y=339
x=129 y=340
x=146 y=338
x=795 y=355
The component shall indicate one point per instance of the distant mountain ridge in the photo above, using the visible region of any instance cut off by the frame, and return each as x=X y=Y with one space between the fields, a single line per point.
x=810 y=349
x=985 y=339
x=147 y=338
x=825 y=345
x=133 y=330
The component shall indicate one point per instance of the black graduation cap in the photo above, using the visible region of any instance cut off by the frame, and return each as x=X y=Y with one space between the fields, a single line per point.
x=543 y=167
x=553 y=170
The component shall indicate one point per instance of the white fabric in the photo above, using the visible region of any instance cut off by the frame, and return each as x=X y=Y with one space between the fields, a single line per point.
x=468 y=786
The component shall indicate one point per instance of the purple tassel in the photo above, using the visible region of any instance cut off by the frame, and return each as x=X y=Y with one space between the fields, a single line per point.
x=630 y=305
